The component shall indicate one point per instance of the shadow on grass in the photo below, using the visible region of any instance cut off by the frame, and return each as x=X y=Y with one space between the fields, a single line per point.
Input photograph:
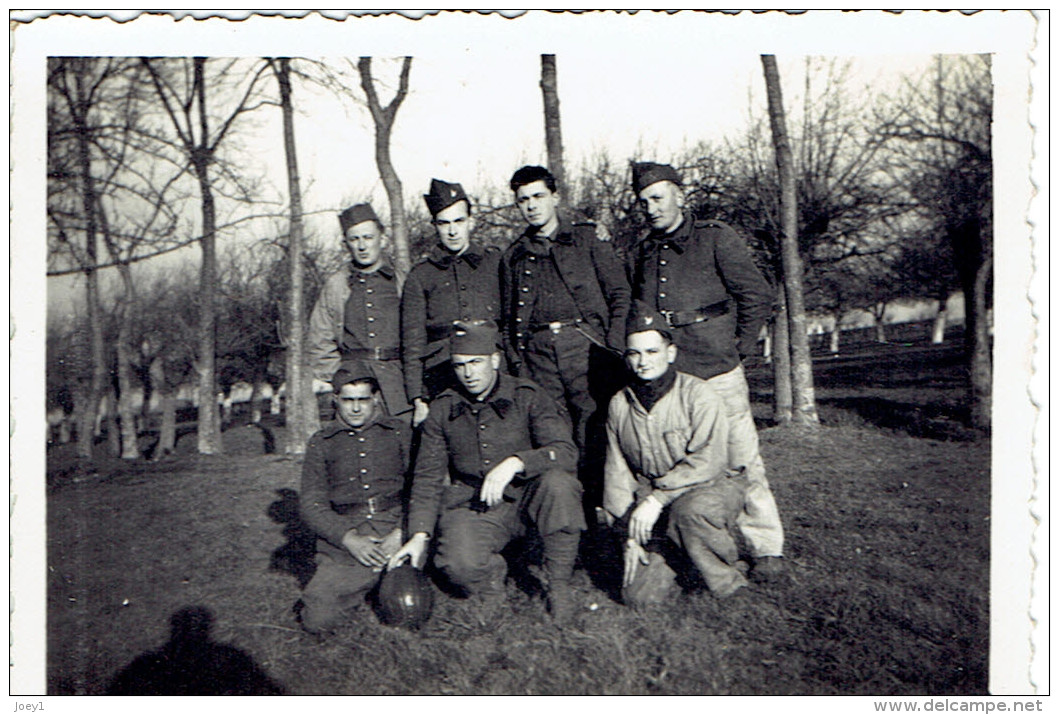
x=296 y=557
x=932 y=421
x=191 y=663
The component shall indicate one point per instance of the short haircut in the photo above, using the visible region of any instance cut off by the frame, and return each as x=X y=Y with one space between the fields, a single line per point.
x=530 y=174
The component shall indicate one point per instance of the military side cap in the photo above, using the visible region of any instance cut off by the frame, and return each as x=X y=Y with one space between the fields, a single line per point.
x=351 y=371
x=357 y=214
x=643 y=317
x=442 y=195
x=645 y=173
x=475 y=337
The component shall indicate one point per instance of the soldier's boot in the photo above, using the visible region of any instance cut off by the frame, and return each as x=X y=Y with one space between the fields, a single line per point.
x=560 y=552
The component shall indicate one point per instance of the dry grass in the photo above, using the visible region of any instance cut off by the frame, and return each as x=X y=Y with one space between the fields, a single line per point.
x=888 y=544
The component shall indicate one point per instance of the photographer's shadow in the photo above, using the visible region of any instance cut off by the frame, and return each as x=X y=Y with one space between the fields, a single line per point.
x=193 y=664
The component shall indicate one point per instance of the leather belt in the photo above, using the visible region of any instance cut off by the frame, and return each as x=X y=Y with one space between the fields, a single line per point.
x=680 y=318
x=555 y=326
x=374 y=505
x=439 y=332
x=375 y=353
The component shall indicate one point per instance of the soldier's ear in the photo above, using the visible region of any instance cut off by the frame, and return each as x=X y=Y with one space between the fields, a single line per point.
x=671 y=353
x=494 y=360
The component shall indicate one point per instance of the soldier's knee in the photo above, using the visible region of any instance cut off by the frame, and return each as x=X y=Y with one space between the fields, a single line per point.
x=464 y=567
x=318 y=617
x=559 y=482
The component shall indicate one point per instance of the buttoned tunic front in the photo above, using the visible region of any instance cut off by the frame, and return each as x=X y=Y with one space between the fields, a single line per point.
x=589 y=272
x=464 y=439
x=703 y=264
x=441 y=289
x=357 y=316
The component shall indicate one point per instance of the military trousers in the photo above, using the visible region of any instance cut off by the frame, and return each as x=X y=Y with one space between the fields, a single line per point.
x=558 y=361
x=759 y=522
x=470 y=541
x=698 y=522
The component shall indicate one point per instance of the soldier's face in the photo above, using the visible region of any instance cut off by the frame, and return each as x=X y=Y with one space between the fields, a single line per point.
x=454 y=225
x=662 y=203
x=537 y=203
x=356 y=403
x=477 y=373
x=364 y=242
x=648 y=354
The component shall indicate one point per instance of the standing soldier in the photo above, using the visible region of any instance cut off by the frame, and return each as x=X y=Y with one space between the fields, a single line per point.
x=507 y=450
x=456 y=281
x=351 y=497
x=564 y=298
x=357 y=314
x=700 y=277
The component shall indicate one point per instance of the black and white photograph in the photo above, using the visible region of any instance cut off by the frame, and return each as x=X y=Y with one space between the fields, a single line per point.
x=530 y=353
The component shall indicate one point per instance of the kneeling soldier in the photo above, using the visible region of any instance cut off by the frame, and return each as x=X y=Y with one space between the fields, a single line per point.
x=511 y=459
x=668 y=457
x=351 y=496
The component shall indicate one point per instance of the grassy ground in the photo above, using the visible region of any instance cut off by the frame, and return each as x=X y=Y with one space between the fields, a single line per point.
x=887 y=539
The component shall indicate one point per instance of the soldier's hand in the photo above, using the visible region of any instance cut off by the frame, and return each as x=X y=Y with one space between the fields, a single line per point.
x=415 y=550
x=498 y=478
x=643 y=519
x=422 y=409
x=634 y=556
x=390 y=543
x=365 y=549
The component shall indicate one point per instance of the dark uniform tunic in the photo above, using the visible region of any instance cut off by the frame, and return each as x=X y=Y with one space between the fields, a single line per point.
x=563 y=300
x=703 y=267
x=463 y=439
x=357 y=317
x=351 y=479
x=441 y=289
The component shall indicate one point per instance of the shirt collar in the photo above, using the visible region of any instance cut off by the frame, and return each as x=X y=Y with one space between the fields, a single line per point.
x=500 y=399
x=443 y=258
x=678 y=239
x=385 y=270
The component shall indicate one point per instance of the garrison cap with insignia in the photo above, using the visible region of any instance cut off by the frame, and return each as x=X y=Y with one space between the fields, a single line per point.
x=645 y=173
x=353 y=371
x=358 y=213
x=643 y=317
x=475 y=337
x=442 y=195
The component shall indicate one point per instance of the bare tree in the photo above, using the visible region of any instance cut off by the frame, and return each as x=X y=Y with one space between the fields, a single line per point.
x=384 y=118
x=553 y=136
x=941 y=129
x=183 y=95
x=804 y=407
x=302 y=416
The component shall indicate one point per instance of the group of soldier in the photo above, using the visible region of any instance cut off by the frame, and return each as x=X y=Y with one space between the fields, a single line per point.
x=525 y=389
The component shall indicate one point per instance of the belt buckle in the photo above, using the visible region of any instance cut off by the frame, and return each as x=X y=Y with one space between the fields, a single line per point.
x=668 y=315
x=371 y=505
x=378 y=353
x=555 y=326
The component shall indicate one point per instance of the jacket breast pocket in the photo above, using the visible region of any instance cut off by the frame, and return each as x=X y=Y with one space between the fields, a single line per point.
x=676 y=443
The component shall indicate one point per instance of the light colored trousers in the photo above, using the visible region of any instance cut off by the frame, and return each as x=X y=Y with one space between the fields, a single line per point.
x=760 y=520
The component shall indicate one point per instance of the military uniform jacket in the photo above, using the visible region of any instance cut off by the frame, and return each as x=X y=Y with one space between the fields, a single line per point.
x=464 y=439
x=701 y=264
x=441 y=289
x=589 y=270
x=376 y=299
x=680 y=443
x=345 y=469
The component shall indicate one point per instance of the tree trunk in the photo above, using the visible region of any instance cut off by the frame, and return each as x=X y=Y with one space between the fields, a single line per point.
x=879 y=314
x=95 y=316
x=982 y=354
x=781 y=364
x=937 y=333
x=209 y=431
x=255 y=403
x=275 y=405
x=298 y=423
x=767 y=351
x=130 y=448
x=167 y=432
x=64 y=430
x=804 y=399
x=835 y=332
x=553 y=137
x=113 y=428
x=383 y=118
x=85 y=411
